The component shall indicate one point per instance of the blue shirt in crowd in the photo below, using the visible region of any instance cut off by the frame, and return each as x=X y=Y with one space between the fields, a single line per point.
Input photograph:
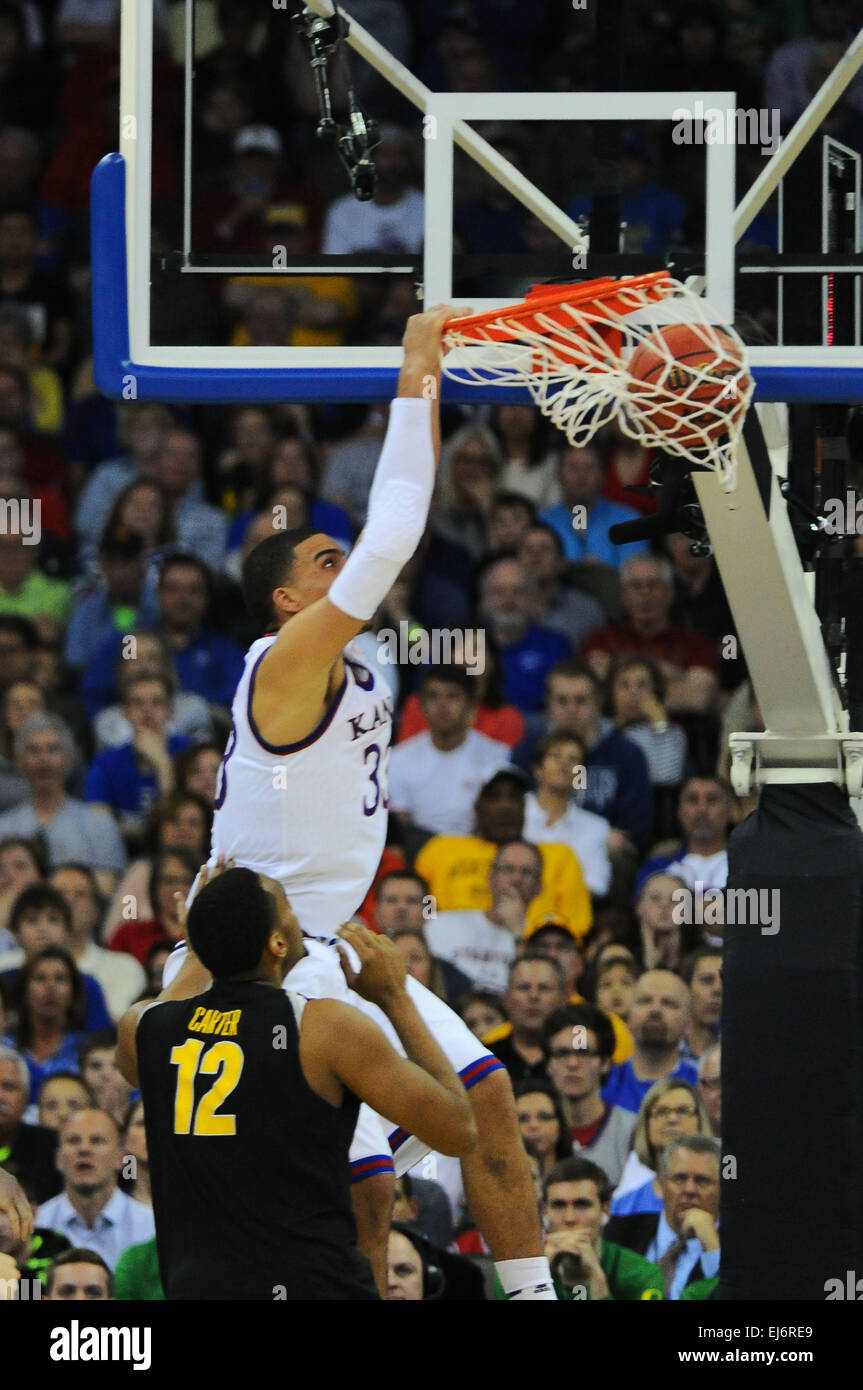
x=624 y=1088
x=592 y=539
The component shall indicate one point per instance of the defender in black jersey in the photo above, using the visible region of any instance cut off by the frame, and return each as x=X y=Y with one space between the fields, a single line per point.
x=251 y=1097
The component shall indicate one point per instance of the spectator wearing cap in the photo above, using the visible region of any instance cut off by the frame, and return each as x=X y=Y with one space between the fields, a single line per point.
x=579 y=1041
x=231 y=216
x=483 y=944
x=112 y=600
x=528 y=650
x=392 y=221
x=435 y=776
x=45 y=755
x=555 y=936
x=552 y=813
x=130 y=777
x=456 y=867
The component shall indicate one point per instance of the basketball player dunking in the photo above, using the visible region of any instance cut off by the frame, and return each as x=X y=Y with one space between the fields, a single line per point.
x=302 y=798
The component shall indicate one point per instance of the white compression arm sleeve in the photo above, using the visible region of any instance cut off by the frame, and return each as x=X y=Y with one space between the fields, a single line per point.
x=399 y=501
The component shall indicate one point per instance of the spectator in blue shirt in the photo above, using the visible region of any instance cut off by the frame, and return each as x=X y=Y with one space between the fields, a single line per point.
x=51 y=1003
x=584 y=516
x=653 y=215
x=41 y=917
x=657 y=1021
x=528 y=651
x=128 y=779
x=115 y=598
x=206 y=663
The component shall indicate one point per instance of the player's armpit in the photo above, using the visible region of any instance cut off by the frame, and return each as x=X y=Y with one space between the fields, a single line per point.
x=338 y=1042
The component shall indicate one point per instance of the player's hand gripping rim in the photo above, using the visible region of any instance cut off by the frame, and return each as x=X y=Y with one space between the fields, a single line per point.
x=381 y=977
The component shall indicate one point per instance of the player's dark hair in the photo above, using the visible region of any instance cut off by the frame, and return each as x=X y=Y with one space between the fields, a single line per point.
x=229 y=923
x=581 y=1016
x=269 y=565
x=578 y=1169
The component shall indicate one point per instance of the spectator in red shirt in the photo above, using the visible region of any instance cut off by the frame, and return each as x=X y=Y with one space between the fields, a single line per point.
x=689 y=660
x=172 y=876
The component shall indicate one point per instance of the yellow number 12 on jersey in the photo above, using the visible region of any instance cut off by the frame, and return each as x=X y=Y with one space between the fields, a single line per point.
x=227 y=1059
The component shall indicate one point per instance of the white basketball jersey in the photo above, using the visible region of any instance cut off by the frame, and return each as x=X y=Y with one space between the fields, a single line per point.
x=311 y=814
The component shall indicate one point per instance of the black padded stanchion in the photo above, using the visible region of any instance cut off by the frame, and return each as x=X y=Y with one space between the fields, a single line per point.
x=792 y=1048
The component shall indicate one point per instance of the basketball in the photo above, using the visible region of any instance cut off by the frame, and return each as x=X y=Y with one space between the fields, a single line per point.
x=675 y=359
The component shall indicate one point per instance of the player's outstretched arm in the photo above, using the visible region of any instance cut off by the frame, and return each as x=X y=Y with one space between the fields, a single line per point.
x=420 y=1092
x=398 y=507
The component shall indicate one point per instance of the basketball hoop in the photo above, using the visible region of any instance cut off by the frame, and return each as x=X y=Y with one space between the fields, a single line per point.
x=643 y=350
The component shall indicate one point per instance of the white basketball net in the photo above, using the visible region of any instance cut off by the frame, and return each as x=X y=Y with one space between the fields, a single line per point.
x=575 y=358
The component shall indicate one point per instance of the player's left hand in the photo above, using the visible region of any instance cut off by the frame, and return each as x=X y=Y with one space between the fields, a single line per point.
x=206 y=873
x=382 y=973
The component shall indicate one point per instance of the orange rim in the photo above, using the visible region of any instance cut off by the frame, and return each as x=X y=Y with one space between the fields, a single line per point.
x=546 y=298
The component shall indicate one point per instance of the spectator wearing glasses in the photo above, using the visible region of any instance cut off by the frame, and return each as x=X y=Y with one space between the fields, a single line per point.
x=669 y=1109
x=682 y=1238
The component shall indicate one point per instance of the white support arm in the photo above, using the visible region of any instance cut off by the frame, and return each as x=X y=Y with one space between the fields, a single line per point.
x=806 y=738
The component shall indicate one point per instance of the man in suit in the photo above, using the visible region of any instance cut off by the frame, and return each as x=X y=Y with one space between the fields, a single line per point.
x=682 y=1239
